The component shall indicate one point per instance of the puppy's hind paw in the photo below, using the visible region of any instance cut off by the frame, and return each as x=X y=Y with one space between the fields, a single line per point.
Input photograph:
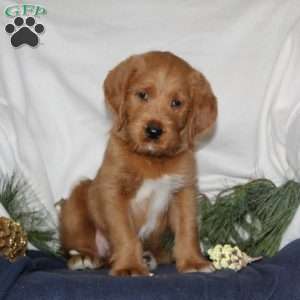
x=81 y=262
x=149 y=260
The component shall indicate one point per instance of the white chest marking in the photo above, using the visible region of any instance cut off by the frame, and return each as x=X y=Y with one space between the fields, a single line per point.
x=158 y=193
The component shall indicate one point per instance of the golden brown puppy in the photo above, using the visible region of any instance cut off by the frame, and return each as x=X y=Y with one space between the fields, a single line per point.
x=147 y=182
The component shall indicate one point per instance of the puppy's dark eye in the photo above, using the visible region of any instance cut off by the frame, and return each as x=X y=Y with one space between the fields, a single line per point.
x=142 y=96
x=175 y=103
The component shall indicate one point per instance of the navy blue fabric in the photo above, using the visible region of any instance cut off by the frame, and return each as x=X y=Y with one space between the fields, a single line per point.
x=40 y=277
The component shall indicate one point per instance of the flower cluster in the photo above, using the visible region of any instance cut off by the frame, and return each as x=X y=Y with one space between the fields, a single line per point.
x=228 y=257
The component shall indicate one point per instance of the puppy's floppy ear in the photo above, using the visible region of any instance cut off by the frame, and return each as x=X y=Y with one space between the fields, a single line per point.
x=116 y=86
x=204 y=108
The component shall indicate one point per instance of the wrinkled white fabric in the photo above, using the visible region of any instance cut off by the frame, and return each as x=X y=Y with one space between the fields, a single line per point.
x=279 y=142
x=53 y=122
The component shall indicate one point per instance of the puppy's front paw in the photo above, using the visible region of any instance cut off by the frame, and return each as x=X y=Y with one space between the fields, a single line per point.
x=195 y=265
x=130 y=271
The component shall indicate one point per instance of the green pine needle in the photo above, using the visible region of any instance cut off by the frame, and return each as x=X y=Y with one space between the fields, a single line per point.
x=253 y=216
x=24 y=207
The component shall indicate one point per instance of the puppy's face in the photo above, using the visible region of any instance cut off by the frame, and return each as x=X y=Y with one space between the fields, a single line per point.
x=157 y=108
x=160 y=101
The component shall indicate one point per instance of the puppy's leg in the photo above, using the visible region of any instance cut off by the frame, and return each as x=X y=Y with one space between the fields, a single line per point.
x=126 y=249
x=154 y=245
x=77 y=232
x=183 y=222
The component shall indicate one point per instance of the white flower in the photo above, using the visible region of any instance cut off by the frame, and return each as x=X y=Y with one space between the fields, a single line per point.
x=228 y=257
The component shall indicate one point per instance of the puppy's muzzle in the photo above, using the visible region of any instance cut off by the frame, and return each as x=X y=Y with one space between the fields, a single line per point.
x=153 y=130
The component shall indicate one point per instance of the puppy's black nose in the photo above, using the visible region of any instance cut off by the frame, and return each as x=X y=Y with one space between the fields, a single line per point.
x=153 y=131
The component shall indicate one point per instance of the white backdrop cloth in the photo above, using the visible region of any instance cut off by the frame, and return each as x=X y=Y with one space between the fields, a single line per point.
x=53 y=123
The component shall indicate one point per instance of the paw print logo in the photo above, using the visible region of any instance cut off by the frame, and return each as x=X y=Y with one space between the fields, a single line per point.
x=24 y=31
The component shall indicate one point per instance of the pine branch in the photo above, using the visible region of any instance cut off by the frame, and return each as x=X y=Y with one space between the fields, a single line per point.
x=24 y=207
x=253 y=216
